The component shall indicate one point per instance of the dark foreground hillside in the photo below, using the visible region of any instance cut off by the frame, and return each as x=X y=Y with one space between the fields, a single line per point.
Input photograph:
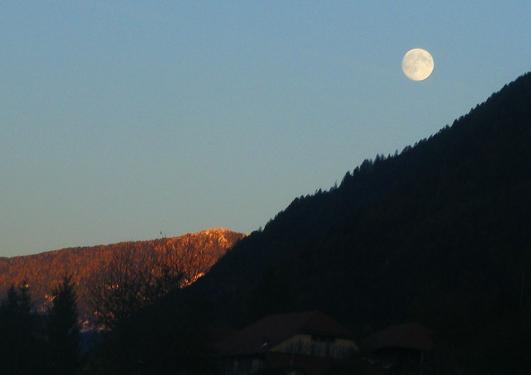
x=192 y=254
x=439 y=233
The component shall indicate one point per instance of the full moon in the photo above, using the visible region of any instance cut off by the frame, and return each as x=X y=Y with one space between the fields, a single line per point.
x=417 y=64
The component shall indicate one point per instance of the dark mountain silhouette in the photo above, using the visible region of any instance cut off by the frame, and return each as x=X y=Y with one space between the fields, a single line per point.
x=438 y=233
x=194 y=254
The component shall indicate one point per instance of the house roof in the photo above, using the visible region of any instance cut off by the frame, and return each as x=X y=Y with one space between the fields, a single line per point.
x=406 y=336
x=270 y=331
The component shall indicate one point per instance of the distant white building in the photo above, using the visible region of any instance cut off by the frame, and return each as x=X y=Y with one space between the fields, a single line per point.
x=296 y=343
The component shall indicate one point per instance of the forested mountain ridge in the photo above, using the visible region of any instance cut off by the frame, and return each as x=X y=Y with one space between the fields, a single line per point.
x=438 y=232
x=192 y=253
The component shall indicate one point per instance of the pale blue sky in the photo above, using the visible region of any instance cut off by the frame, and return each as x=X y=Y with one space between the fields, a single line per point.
x=120 y=119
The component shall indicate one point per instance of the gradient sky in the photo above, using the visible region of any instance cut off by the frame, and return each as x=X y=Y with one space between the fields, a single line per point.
x=121 y=119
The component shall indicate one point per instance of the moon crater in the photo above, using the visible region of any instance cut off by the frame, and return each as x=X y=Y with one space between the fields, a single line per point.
x=417 y=64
